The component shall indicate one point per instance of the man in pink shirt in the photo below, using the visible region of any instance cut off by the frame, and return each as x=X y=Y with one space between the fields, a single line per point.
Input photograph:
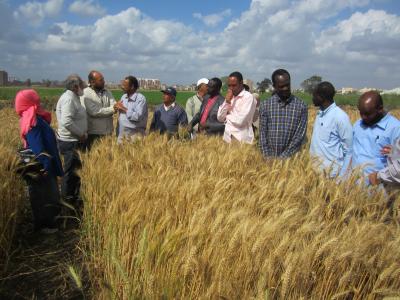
x=237 y=111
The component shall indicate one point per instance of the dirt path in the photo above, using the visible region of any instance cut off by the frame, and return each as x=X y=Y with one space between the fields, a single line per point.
x=40 y=265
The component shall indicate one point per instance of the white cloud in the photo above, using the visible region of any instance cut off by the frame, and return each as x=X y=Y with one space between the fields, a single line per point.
x=213 y=20
x=35 y=12
x=87 y=8
x=270 y=34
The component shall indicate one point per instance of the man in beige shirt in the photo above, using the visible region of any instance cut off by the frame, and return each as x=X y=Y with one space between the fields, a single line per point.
x=100 y=107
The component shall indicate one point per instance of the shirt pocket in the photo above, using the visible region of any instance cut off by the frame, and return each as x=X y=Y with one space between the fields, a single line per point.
x=325 y=135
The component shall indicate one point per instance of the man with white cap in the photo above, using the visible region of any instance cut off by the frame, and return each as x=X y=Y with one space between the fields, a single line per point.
x=193 y=103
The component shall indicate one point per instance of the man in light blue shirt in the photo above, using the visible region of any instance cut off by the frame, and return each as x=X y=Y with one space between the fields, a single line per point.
x=375 y=130
x=133 y=113
x=332 y=138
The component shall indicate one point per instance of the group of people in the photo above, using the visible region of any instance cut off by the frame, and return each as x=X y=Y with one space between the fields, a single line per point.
x=85 y=114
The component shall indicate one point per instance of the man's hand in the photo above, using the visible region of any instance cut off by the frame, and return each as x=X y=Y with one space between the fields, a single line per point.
x=83 y=138
x=120 y=107
x=229 y=96
x=386 y=150
x=373 y=178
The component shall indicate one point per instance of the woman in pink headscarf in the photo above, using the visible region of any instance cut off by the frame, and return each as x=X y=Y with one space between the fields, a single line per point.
x=39 y=137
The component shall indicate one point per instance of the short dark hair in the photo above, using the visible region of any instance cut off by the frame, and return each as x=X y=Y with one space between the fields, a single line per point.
x=237 y=75
x=218 y=82
x=132 y=81
x=279 y=72
x=325 y=90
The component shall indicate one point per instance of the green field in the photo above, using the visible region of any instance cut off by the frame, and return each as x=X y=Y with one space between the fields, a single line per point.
x=50 y=96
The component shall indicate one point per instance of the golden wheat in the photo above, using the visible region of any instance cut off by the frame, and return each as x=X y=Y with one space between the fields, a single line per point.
x=12 y=190
x=201 y=219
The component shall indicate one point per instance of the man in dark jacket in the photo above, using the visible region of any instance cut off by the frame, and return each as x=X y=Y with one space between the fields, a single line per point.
x=207 y=117
x=169 y=116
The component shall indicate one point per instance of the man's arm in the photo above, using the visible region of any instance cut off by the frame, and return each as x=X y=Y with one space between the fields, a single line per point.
x=299 y=135
x=94 y=110
x=245 y=112
x=263 y=141
x=182 y=118
x=189 y=109
x=135 y=113
x=223 y=110
x=345 y=131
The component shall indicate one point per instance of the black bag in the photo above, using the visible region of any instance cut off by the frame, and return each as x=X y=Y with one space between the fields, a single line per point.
x=29 y=167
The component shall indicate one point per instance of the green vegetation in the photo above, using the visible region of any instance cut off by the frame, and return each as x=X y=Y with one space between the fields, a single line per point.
x=50 y=95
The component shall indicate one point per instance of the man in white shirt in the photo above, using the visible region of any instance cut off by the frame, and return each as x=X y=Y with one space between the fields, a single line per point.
x=72 y=134
x=237 y=111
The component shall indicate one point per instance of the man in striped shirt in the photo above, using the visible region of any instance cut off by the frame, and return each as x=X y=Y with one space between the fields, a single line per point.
x=283 y=119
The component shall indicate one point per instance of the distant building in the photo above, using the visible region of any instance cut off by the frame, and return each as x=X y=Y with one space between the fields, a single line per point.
x=3 y=78
x=348 y=90
x=149 y=84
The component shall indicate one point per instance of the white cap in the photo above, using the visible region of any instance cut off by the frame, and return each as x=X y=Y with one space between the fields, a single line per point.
x=203 y=80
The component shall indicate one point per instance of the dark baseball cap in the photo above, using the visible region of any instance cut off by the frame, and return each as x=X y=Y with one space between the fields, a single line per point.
x=169 y=90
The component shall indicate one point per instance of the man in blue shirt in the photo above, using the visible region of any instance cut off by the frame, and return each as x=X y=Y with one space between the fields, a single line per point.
x=375 y=130
x=332 y=137
x=133 y=112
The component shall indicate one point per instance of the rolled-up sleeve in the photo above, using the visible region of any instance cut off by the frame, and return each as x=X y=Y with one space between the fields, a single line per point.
x=223 y=110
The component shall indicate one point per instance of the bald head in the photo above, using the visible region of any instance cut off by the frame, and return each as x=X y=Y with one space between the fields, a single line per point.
x=96 y=80
x=371 y=109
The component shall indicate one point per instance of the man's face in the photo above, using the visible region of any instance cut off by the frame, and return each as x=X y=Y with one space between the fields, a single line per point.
x=282 y=86
x=369 y=113
x=203 y=88
x=168 y=99
x=98 y=81
x=316 y=99
x=125 y=86
x=235 y=85
x=212 y=88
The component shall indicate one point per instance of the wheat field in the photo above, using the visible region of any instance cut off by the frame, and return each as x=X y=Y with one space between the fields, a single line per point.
x=178 y=219
x=174 y=219
x=12 y=191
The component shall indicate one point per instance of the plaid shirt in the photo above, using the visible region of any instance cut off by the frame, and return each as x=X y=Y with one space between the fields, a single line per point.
x=283 y=126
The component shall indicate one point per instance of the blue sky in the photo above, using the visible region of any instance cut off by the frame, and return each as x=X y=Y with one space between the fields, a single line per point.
x=348 y=42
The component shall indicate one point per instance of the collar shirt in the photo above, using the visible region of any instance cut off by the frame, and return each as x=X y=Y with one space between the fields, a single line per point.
x=136 y=114
x=167 y=108
x=238 y=117
x=332 y=140
x=369 y=140
x=283 y=126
